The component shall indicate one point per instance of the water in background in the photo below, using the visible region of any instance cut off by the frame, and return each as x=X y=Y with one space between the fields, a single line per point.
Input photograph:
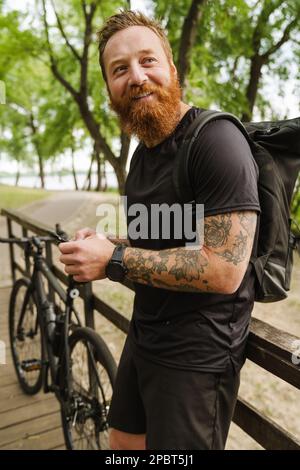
x=57 y=182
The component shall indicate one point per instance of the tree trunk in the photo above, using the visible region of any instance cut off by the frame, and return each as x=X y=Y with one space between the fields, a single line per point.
x=121 y=177
x=98 y=160
x=255 y=74
x=81 y=95
x=87 y=184
x=104 y=177
x=17 y=177
x=41 y=170
x=73 y=170
x=188 y=38
x=37 y=148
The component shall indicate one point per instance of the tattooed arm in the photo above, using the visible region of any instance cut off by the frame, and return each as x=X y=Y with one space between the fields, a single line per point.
x=118 y=241
x=218 y=266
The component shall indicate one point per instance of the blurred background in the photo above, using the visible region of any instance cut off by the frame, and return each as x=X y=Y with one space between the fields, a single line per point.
x=56 y=128
x=62 y=152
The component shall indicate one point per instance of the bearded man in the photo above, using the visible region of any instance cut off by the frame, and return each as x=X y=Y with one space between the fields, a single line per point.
x=178 y=376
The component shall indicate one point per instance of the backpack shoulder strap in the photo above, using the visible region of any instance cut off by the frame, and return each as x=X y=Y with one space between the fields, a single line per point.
x=181 y=175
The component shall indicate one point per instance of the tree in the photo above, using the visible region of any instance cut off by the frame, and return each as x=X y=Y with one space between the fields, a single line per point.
x=78 y=83
x=14 y=142
x=229 y=46
x=223 y=51
x=39 y=119
x=20 y=133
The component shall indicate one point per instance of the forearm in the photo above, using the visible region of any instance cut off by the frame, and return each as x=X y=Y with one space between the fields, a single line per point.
x=180 y=269
x=118 y=241
x=218 y=266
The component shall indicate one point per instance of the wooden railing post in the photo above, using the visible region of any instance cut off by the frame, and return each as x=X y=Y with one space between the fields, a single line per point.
x=27 y=260
x=11 y=250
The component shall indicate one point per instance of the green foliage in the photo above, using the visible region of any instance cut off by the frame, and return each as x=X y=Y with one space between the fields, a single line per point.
x=226 y=39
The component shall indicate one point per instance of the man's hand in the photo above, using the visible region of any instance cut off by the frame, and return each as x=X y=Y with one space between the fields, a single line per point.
x=84 y=233
x=86 y=257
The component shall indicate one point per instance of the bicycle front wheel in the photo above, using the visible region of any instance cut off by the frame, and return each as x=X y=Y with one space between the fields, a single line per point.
x=91 y=380
x=25 y=337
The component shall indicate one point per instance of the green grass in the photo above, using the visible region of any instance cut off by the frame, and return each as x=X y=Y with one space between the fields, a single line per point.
x=13 y=198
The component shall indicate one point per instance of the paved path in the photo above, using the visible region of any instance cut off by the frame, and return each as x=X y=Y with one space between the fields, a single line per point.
x=57 y=208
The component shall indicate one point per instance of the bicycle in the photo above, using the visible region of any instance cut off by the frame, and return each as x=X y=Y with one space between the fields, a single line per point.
x=51 y=348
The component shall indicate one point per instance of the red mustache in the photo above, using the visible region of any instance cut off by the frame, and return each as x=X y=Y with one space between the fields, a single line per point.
x=138 y=90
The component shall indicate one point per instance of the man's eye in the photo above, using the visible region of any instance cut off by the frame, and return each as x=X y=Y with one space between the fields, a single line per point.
x=148 y=60
x=120 y=68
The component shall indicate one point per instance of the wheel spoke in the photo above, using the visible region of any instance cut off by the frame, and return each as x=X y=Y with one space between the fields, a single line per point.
x=25 y=338
x=86 y=424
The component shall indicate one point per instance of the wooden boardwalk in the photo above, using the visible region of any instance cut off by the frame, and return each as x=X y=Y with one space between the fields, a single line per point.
x=26 y=422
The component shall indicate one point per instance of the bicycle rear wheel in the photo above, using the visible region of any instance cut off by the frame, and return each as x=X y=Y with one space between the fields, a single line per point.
x=92 y=375
x=25 y=337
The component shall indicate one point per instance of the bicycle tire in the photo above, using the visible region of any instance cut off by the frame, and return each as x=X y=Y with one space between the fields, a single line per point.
x=26 y=343
x=84 y=412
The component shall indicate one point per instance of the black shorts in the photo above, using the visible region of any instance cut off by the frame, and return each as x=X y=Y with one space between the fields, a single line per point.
x=176 y=409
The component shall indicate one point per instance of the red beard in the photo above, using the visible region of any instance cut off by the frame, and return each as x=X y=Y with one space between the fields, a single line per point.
x=151 y=120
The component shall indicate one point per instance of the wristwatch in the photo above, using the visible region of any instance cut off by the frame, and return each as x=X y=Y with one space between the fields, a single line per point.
x=115 y=269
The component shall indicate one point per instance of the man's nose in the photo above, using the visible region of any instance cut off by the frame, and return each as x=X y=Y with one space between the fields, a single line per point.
x=137 y=75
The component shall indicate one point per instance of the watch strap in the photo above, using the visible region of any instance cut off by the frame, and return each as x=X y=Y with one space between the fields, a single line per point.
x=118 y=253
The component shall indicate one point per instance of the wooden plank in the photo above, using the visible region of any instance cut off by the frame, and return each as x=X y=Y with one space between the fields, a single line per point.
x=265 y=431
x=45 y=440
x=272 y=349
x=62 y=447
x=111 y=314
x=8 y=362
x=37 y=425
x=27 y=222
x=276 y=341
x=27 y=413
x=10 y=391
x=8 y=379
x=20 y=401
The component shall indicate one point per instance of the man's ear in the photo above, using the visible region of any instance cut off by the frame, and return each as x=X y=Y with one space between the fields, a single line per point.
x=173 y=68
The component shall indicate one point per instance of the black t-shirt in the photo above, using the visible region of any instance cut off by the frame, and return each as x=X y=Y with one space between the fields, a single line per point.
x=197 y=331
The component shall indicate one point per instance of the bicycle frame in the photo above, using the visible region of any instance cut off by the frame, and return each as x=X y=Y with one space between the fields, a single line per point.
x=41 y=271
x=36 y=288
x=58 y=336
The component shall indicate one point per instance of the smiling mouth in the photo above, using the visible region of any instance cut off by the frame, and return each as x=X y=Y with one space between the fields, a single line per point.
x=142 y=96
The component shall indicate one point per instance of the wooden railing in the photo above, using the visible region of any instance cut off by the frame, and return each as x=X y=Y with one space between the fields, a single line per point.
x=269 y=347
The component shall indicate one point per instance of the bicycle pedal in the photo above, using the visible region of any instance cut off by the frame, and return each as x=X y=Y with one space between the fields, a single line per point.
x=31 y=365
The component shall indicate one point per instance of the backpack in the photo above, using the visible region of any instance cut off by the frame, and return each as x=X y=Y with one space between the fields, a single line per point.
x=276 y=149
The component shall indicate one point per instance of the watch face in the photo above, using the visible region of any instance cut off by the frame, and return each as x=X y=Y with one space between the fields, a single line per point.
x=115 y=272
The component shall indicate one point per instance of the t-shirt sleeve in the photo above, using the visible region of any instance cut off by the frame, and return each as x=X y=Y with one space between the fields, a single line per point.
x=223 y=171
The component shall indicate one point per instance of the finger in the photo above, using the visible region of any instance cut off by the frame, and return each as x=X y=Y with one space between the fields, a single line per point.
x=67 y=259
x=101 y=236
x=79 y=279
x=83 y=233
x=67 y=247
x=71 y=269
